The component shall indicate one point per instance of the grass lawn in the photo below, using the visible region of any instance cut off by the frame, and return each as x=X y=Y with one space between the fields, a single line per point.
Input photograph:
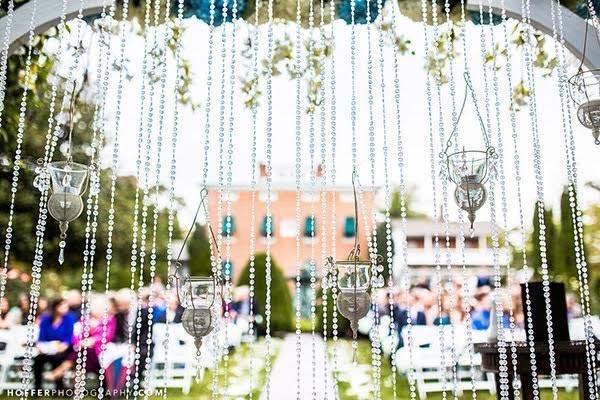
x=354 y=381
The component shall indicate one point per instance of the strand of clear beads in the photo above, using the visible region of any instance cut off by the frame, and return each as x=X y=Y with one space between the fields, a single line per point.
x=253 y=168
x=269 y=134
x=111 y=211
x=388 y=221
x=404 y=273
x=323 y=195
x=504 y=209
x=177 y=24
x=313 y=195
x=581 y=264
x=497 y=298
x=230 y=150
x=436 y=244
x=375 y=339
x=91 y=225
x=449 y=47
x=162 y=51
x=333 y=126
x=146 y=195
x=537 y=161
x=298 y=168
x=50 y=137
x=136 y=207
x=521 y=239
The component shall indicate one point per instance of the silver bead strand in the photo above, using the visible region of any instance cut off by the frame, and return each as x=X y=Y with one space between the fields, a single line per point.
x=432 y=153
x=404 y=272
x=298 y=172
x=497 y=299
x=111 y=211
x=333 y=127
x=172 y=175
x=10 y=14
x=540 y=192
x=576 y=216
x=135 y=255
x=269 y=132
x=253 y=168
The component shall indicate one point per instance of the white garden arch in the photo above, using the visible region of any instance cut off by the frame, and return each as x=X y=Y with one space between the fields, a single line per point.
x=49 y=12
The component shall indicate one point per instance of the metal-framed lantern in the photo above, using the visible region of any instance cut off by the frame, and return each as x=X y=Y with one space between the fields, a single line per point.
x=584 y=88
x=68 y=181
x=469 y=169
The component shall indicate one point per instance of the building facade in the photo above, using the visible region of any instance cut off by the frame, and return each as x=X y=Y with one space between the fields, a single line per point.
x=283 y=225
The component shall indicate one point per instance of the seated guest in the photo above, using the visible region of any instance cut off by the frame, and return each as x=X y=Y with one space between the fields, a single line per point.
x=54 y=341
x=92 y=344
x=172 y=314
x=20 y=312
x=5 y=318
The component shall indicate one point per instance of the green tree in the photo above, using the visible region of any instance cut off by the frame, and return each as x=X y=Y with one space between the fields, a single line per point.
x=281 y=299
x=396 y=206
x=533 y=247
x=199 y=252
x=565 y=268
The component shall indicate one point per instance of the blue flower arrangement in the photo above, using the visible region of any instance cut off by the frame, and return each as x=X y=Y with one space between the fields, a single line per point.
x=582 y=9
x=201 y=10
x=476 y=18
x=360 y=11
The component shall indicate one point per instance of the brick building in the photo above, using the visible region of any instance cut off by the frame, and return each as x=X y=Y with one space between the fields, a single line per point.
x=283 y=211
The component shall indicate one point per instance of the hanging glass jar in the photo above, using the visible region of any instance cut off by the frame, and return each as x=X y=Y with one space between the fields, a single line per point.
x=469 y=169
x=584 y=88
x=65 y=204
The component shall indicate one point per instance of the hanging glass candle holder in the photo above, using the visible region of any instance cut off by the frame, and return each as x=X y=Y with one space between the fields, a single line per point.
x=469 y=169
x=584 y=88
x=65 y=204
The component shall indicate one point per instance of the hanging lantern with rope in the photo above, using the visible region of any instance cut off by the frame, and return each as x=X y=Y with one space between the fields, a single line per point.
x=468 y=169
x=67 y=181
x=584 y=88
x=200 y=296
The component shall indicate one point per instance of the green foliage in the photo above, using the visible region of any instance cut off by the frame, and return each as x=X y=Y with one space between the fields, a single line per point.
x=199 y=252
x=342 y=324
x=382 y=249
x=565 y=267
x=281 y=304
x=396 y=206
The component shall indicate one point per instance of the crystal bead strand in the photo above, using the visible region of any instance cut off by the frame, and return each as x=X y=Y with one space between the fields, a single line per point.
x=521 y=244
x=436 y=243
x=333 y=126
x=495 y=235
x=173 y=174
x=298 y=169
x=449 y=48
x=567 y=126
x=10 y=14
x=162 y=51
x=323 y=196
x=269 y=134
x=537 y=161
x=404 y=273
x=313 y=196
x=50 y=138
x=87 y=277
x=136 y=207
x=375 y=339
x=230 y=151
x=388 y=221
x=153 y=30
x=504 y=207
x=253 y=168
x=114 y=168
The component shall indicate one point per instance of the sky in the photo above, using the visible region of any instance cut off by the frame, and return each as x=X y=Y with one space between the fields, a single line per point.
x=414 y=117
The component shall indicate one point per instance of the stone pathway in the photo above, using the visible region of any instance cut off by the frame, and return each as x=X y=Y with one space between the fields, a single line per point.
x=284 y=376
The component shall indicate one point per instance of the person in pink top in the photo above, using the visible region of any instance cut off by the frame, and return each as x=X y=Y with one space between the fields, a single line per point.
x=90 y=342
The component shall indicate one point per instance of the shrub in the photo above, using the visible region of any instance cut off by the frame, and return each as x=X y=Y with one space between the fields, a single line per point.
x=281 y=299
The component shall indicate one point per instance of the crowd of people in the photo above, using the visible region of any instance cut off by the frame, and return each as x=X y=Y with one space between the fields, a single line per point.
x=113 y=319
